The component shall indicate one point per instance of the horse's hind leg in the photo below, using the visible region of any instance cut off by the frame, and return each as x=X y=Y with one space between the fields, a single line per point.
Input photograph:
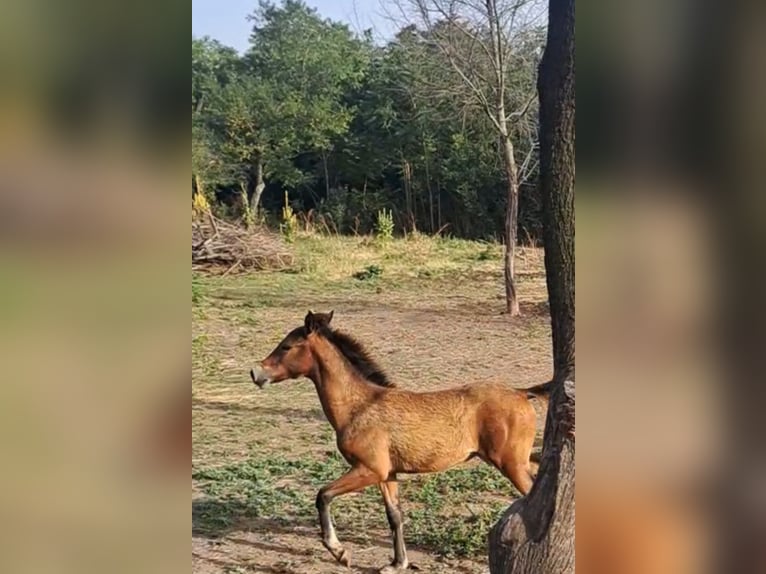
x=515 y=463
x=510 y=455
x=390 y=492
x=519 y=472
x=355 y=479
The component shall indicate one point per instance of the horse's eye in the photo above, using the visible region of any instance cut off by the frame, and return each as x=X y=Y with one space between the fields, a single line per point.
x=286 y=348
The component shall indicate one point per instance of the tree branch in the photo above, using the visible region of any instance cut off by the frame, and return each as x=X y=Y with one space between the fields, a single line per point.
x=520 y=113
x=525 y=163
x=475 y=89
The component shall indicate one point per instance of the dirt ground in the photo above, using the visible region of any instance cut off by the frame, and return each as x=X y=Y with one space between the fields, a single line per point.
x=299 y=551
x=429 y=331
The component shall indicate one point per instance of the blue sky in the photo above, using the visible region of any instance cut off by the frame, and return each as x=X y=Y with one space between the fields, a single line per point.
x=225 y=20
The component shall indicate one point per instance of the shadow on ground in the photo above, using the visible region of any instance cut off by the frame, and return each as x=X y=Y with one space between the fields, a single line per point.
x=214 y=519
x=261 y=411
x=229 y=521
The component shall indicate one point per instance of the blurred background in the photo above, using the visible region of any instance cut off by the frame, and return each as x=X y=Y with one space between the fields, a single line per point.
x=670 y=282
x=94 y=278
x=94 y=401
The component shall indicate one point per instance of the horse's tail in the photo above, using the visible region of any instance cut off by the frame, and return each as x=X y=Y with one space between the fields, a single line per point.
x=542 y=391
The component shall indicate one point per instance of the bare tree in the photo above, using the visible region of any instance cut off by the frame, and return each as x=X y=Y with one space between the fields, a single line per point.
x=536 y=534
x=477 y=40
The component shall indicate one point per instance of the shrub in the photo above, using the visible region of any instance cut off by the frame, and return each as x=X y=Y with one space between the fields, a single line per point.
x=384 y=225
x=200 y=205
x=332 y=212
x=289 y=225
x=368 y=273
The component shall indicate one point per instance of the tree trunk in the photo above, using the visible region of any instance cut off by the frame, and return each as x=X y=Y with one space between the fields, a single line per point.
x=430 y=190
x=257 y=184
x=536 y=534
x=326 y=175
x=439 y=204
x=511 y=226
x=407 y=172
x=247 y=212
x=556 y=86
x=509 y=162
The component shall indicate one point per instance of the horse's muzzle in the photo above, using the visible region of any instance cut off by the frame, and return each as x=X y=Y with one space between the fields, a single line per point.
x=260 y=377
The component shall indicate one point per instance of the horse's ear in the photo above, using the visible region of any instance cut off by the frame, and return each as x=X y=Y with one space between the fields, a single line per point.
x=315 y=321
x=310 y=322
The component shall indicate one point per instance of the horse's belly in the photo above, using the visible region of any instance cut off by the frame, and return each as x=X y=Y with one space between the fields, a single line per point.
x=417 y=460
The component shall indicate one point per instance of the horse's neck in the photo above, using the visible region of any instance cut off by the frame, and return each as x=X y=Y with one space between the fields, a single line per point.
x=341 y=390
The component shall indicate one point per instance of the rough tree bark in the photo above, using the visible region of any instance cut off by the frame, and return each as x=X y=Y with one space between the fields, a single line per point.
x=536 y=533
x=556 y=89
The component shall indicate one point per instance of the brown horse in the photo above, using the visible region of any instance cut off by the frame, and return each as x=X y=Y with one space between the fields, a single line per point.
x=383 y=430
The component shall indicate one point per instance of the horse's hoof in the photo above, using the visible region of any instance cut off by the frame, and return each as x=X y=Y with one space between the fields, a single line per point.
x=344 y=558
x=338 y=552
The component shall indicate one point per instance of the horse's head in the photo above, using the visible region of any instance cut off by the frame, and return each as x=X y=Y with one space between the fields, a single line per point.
x=291 y=358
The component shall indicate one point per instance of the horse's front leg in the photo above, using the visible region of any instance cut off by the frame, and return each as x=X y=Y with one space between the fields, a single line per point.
x=357 y=478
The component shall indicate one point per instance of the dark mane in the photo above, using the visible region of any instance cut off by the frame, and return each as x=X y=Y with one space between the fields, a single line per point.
x=358 y=356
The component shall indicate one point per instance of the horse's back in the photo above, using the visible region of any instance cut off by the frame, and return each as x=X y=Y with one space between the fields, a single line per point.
x=446 y=415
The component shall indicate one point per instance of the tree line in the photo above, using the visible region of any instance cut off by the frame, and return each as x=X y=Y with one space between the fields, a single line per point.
x=339 y=126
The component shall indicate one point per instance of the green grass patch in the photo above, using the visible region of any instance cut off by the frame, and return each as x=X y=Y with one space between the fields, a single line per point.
x=449 y=513
x=199 y=291
x=352 y=268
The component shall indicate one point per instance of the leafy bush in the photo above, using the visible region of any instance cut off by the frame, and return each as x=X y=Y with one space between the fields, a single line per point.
x=334 y=210
x=369 y=272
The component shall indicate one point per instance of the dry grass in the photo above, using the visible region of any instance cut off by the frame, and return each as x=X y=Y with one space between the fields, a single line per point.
x=432 y=314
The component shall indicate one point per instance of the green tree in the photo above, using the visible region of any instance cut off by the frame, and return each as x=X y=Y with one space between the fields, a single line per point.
x=213 y=67
x=349 y=128
x=299 y=67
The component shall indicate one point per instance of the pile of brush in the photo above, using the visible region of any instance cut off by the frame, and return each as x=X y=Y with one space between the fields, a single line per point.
x=218 y=246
